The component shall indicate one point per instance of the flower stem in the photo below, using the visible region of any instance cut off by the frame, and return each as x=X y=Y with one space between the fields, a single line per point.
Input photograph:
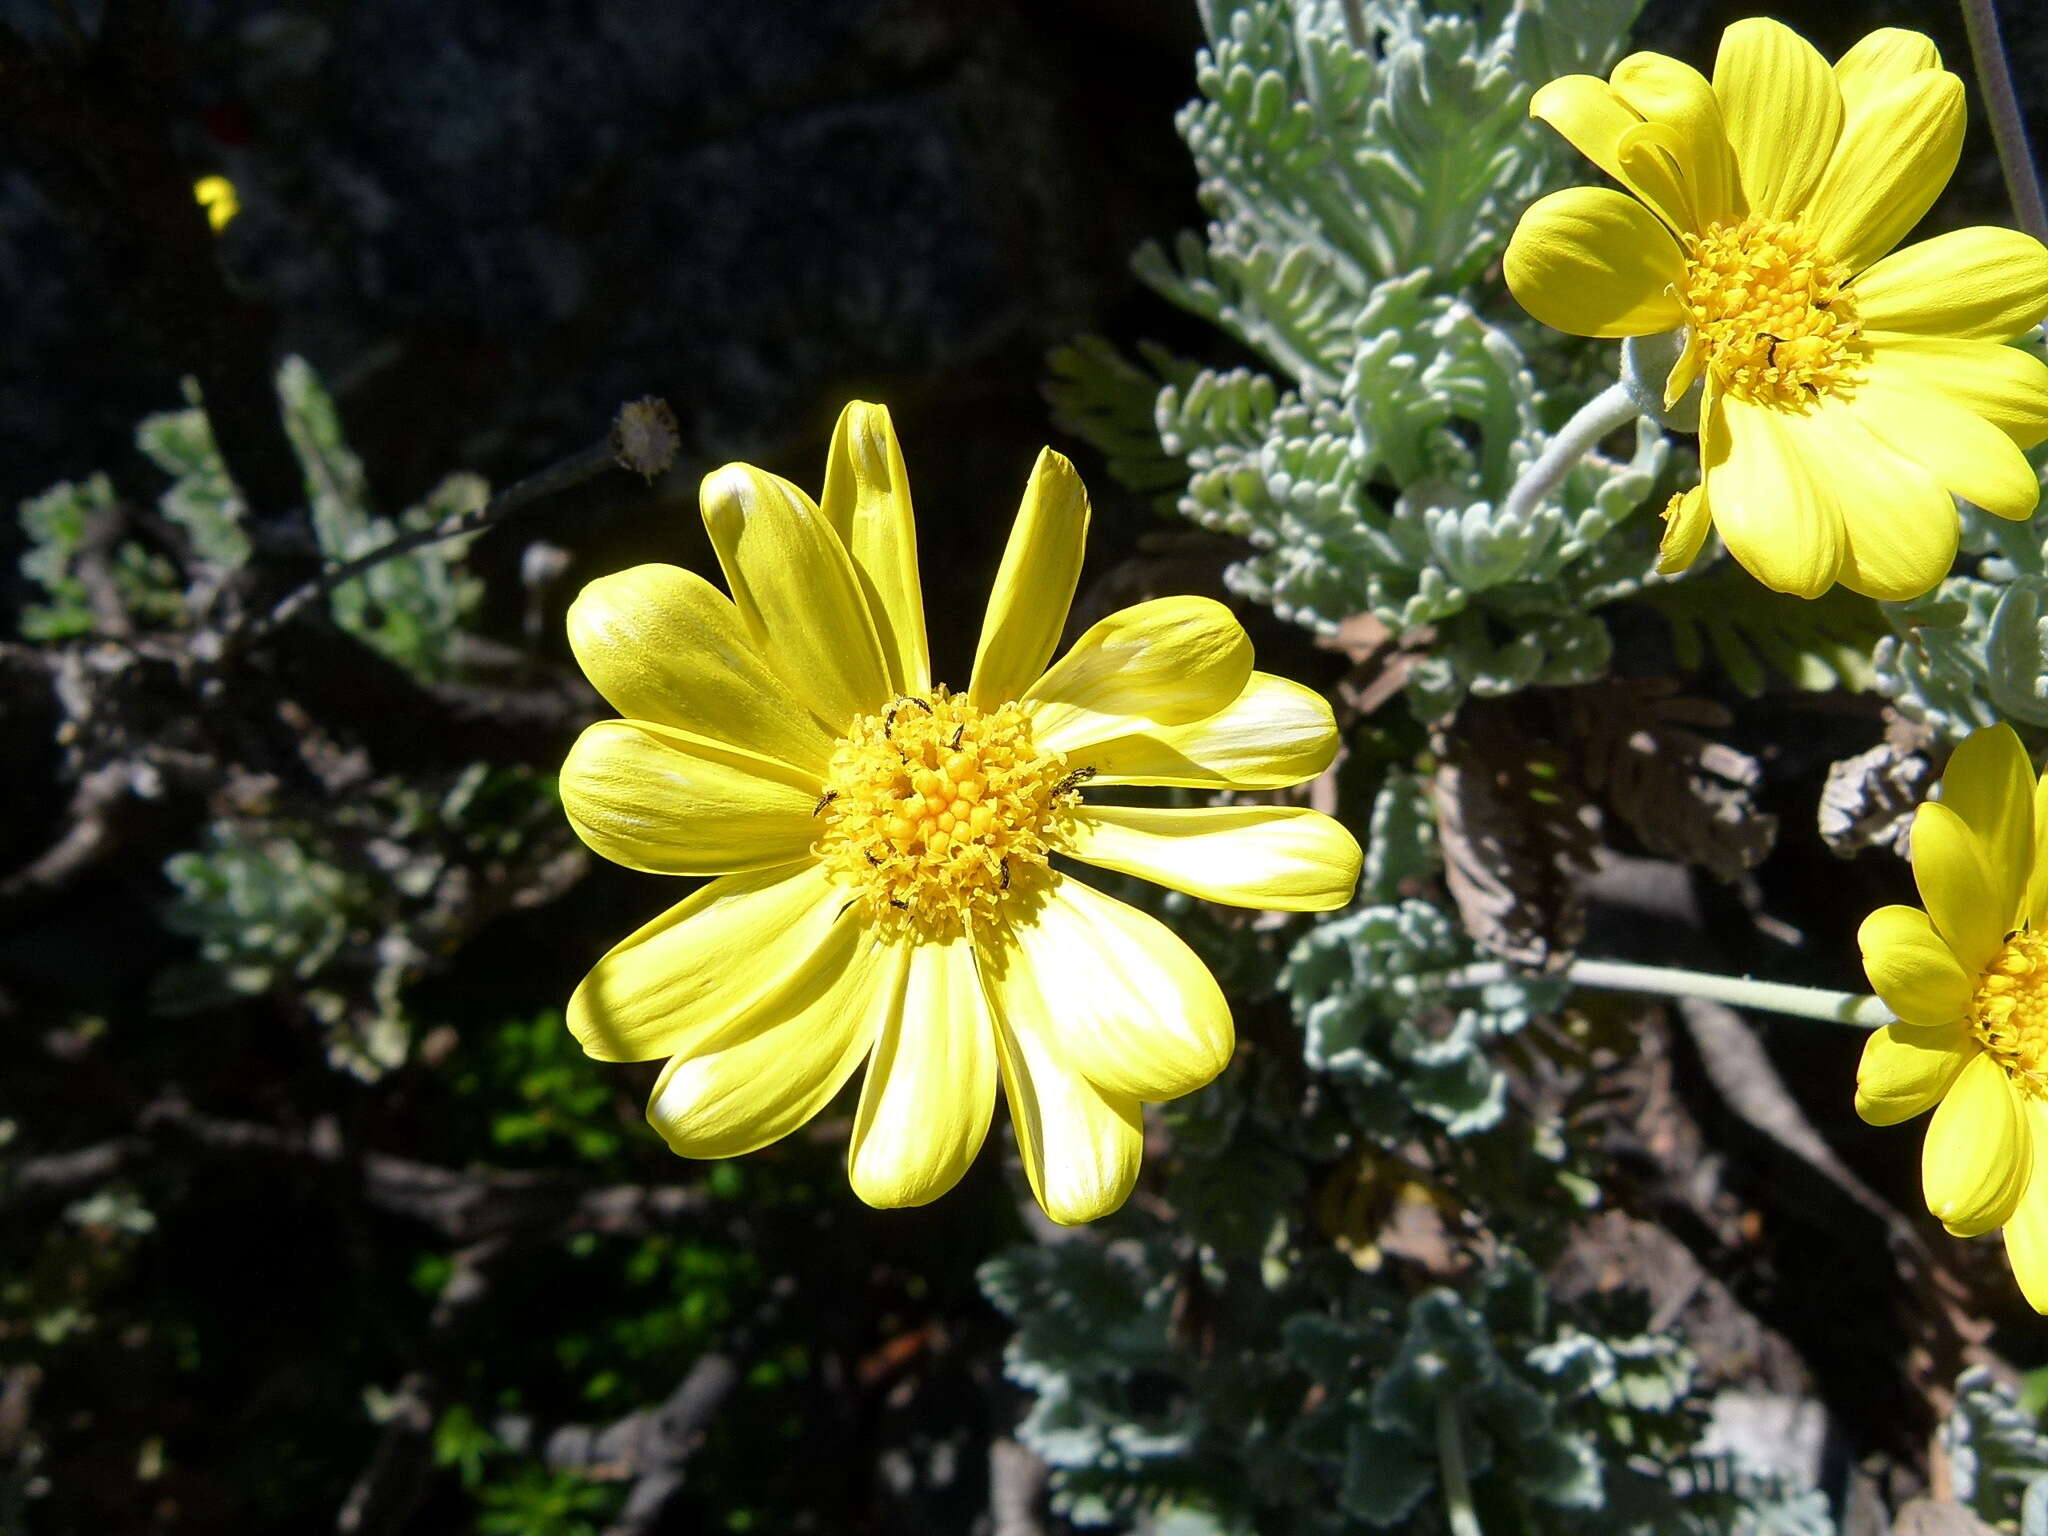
x=1615 y=406
x=1450 y=1457
x=2008 y=128
x=1859 y=1010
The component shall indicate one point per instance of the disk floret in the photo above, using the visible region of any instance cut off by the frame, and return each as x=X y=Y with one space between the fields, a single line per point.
x=939 y=814
x=2010 y=1012
x=1772 y=314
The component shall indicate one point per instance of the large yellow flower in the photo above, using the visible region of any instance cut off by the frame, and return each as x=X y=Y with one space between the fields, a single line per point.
x=1845 y=395
x=1968 y=981
x=884 y=845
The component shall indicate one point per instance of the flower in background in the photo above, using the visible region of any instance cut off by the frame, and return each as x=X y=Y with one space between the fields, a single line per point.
x=1968 y=981
x=1847 y=393
x=216 y=194
x=884 y=845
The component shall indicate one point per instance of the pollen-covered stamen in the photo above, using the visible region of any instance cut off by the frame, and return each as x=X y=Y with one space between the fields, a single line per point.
x=939 y=814
x=1772 y=314
x=2009 y=1014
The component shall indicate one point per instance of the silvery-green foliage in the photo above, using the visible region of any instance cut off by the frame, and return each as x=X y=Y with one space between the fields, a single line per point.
x=1997 y=1452
x=67 y=524
x=410 y=607
x=1974 y=651
x=1360 y=186
x=202 y=499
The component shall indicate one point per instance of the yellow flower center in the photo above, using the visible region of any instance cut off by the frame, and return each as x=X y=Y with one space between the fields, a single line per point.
x=1776 y=323
x=2010 y=1012
x=939 y=815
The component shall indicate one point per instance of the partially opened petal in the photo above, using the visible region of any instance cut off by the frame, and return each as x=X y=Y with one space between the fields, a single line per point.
x=1966 y=453
x=931 y=1086
x=1782 y=109
x=867 y=502
x=1171 y=661
x=1905 y=1070
x=1080 y=1146
x=655 y=798
x=1593 y=118
x=1979 y=284
x=796 y=592
x=1990 y=784
x=1283 y=858
x=1956 y=886
x=1666 y=91
x=1891 y=164
x=2003 y=385
x=2026 y=1230
x=1879 y=61
x=1272 y=735
x=1899 y=526
x=1686 y=525
x=1035 y=585
x=679 y=980
x=663 y=644
x=781 y=1062
x=1912 y=969
x=1979 y=1151
x=1112 y=993
x=1775 y=512
x=1594 y=262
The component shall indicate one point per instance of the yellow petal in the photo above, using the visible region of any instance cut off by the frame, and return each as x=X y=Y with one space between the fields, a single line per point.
x=1782 y=109
x=1170 y=661
x=2026 y=1230
x=1035 y=585
x=1666 y=91
x=1962 y=450
x=1112 y=993
x=1284 y=858
x=675 y=983
x=1593 y=262
x=663 y=644
x=796 y=592
x=1899 y=526
x=2005 y=386
x=867 y=502
x=1891 y=164
x=2036 y=911
x=1772 y=505
x=931 y=1086
x=1956 y=887
x=1879 y=61
x=1905 y=1070
x=780 y=1063
x=1990 y=784
x=1274 y=734
x=1979 y=1151
x=1909 y=966
x=1685 y=530
x=1978 y=284
x=1593 y=118
x=655 y=798
x=1080 y=1146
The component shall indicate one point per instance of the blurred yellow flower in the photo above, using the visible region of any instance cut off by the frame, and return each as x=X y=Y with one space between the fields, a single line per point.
x=1845 y=395
x=1968 y=981
x=216 y=194
x=884 y=845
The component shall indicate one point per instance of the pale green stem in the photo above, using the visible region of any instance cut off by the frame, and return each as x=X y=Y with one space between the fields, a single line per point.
x=2008 y=128
x=1615 y=406
x=1450 y=1456
x=1858 y=1010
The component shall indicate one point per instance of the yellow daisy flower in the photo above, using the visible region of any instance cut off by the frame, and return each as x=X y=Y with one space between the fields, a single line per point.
x=1847 y=392
x=884 y=845
x=1968 y=982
